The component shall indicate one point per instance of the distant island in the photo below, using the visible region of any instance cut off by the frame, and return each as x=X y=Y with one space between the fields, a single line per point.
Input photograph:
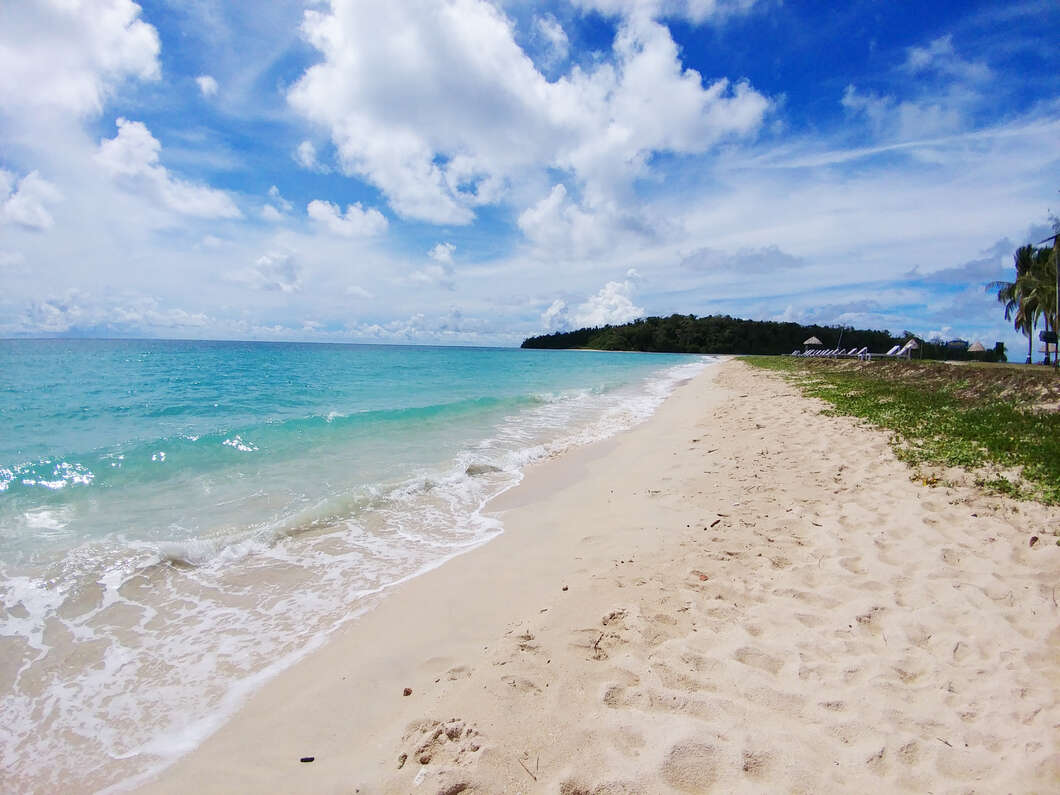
x=724 y=334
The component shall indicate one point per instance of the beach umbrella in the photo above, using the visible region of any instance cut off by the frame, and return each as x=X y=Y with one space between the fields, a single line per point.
x=812 y=341
x=976 y=347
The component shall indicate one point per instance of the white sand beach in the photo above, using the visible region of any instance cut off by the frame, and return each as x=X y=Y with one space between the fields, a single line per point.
x=739 y=595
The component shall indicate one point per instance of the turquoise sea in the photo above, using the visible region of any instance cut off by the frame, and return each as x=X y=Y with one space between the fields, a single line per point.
x=181 y=520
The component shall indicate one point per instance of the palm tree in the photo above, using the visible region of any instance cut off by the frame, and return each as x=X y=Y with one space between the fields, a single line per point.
x=1043 y=289
x=1019 y=297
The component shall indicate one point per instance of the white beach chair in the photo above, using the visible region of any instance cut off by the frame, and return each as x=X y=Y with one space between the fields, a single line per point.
x=892 y=352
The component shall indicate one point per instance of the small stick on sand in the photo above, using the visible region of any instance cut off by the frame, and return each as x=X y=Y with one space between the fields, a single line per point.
x=524 y=767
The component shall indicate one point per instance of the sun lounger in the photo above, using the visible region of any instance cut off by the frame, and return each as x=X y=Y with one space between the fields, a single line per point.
x=891 y=353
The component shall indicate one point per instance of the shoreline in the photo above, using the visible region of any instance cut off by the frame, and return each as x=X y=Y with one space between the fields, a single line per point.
x=659 y=604
x=539 y=478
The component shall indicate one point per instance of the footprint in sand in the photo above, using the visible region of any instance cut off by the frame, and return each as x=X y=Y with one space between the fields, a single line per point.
x=869 y=617
x=520 y=684
x=675 y=680
x=851 y=564
x=596 y=642
x=756 y=763
x=909 y=754
x=448 y=743
x=877 y=762
x=775 y=701
x=458 y=672
x=759 y=659
x=628 y=741
x=700 y=664
x=526 y=642
x=690 y=767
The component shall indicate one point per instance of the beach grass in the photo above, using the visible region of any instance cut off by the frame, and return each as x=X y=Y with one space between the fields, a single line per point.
x=999 y=424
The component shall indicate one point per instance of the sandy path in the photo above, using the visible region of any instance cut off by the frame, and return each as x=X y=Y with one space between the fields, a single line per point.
x=739 y=595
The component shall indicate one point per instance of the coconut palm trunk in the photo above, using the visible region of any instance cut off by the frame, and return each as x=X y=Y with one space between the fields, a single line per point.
x=1048 y=347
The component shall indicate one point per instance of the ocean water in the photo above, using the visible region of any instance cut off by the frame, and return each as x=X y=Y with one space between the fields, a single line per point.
x=181 y=520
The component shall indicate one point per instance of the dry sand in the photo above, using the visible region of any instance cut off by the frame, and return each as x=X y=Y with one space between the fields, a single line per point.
x=739 y=595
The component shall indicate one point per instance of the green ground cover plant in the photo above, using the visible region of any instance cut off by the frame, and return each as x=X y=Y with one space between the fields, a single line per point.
x=1000 y=424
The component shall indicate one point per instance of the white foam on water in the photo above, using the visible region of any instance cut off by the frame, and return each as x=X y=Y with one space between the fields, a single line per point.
x=237 y=443
x=47 y=519
x=173 y=636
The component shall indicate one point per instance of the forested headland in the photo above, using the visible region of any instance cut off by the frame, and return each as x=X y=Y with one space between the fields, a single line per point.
x=724 y=334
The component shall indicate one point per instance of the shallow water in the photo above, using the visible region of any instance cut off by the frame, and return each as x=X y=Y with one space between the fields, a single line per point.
x=180 y=520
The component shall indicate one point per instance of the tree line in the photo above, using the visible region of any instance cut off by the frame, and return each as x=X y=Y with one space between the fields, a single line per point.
x=725 y=334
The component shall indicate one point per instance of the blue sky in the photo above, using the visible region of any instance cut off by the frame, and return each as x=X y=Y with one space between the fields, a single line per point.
x=472 y=172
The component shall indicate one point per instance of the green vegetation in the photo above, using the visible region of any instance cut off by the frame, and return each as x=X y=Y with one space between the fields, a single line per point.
x=1031 y=296
x=1002 y=424
x=724 y=334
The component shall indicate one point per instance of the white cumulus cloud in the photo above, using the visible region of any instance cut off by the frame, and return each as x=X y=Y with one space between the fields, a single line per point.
x=305 y=155
x=274 y=271
x=277 y=208
x=555 y=317
x=442 y=252
x=277 y=197
x=440 y=273
x=613 y=304
x=355 y=222
x=23 y=202
x=558 y=224
x=69 y=56
x=461 y=111
x=132 y=157
x=271 y=214
x=555 y=37
x=207 y=85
